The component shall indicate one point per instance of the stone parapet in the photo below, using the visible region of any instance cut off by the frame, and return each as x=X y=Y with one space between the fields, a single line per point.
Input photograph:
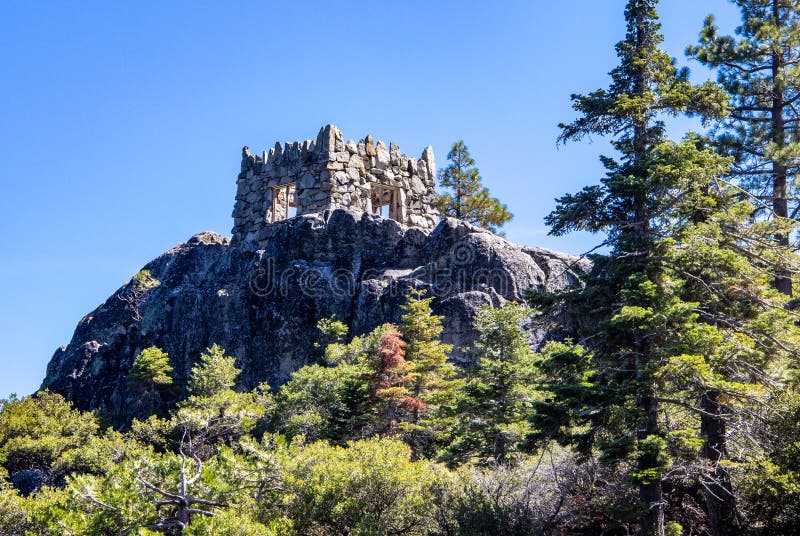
x=328 y=173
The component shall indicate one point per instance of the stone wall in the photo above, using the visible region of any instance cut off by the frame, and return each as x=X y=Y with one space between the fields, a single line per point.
x=329 y=173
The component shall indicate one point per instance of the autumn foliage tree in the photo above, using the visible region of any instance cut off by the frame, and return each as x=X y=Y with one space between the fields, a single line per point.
x=389 y=378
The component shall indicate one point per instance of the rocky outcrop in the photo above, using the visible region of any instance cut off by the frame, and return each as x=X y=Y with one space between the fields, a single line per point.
x=262 y=306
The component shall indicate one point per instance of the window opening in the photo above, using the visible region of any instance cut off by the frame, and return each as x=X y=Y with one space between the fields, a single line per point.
x=284 y=202
x=386 y=201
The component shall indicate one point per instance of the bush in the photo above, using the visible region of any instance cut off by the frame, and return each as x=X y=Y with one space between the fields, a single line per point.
x=368 y=487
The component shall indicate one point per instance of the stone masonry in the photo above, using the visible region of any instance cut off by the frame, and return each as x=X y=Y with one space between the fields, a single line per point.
x=326 y=174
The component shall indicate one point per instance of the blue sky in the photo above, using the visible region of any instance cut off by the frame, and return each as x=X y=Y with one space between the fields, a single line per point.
x=122 y=123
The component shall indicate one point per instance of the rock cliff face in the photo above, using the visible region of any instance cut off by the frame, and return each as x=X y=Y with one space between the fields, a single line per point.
x=262 y=306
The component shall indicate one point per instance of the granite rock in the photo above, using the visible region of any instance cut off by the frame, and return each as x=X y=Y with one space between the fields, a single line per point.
x=262 y=305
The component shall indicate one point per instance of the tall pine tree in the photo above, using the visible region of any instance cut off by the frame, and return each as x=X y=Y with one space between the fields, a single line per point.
x=741 y=338
x=759 y=69
x=432 y=381
x=637 y=312
x=432 y=376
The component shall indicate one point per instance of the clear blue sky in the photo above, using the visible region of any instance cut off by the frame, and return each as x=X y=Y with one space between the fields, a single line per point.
x=122 y=123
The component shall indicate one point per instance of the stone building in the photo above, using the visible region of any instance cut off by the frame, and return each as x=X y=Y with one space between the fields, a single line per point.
x=315 y=176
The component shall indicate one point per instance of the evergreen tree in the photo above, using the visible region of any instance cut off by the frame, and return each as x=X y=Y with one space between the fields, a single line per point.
x=759 y=69
x=214 y=413
x=312 y=402
x=723 y=262
x=354 y=414
x=330 y=402
x=433 y=380
x=151 y=369
x=422 y=330
x=215 y=373
x=771 y=484
x=331 y=331
x=496 y=399
x=468 y=199
x=637 y=314
x=150 y=373
x=727 y=338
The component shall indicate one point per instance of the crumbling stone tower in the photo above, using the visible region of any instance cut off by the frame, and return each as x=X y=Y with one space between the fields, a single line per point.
x=315 y=176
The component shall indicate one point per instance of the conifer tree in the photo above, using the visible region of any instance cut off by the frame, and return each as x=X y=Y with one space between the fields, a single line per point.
x=759 y=69
x=467 y=198
x=723 y=263
x=496 y=399
x=214 y=373
x=337 y=401
x=214 y=412
x=432 y=381
x=728 y=337
x=389 y=377
x=150 y=373
x=353 y=415
x=637 y=314
x=422 y=330
x=151 y=369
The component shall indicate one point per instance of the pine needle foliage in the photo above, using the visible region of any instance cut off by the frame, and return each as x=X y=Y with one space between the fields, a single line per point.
x=466 y=198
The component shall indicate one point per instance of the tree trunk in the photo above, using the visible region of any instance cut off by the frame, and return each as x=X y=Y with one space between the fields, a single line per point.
x=720 y=501
x=499 y=448
x=183 y=514
x=780 y=205
x=652 y=522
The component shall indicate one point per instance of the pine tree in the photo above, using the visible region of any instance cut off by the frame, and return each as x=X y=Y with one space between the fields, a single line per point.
x=389 y=377
x=636 y=311
x=150 y=373
x=353 y=414
x=151 y=369
x=214 y=412
x=496 y=399
x=759 y=69
x=422 y=330
x=432 y=381
x=468 y=199
x=214 y=373
x=723 y=263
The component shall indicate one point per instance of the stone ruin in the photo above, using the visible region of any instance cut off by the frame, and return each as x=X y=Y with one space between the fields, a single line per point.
x=326 y=174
